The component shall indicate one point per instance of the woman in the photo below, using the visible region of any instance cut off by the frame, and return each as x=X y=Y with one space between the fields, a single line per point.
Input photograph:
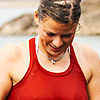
x=51 y=66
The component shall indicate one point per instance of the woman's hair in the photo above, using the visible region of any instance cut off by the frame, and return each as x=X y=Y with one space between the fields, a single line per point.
x=62 y=11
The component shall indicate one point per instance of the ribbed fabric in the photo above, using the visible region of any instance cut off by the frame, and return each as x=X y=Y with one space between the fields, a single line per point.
x=40 y=84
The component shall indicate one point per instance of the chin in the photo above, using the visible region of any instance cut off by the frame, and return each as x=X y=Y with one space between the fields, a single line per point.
x=51 y=53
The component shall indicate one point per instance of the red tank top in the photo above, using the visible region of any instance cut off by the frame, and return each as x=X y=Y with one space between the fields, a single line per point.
x=40 y=84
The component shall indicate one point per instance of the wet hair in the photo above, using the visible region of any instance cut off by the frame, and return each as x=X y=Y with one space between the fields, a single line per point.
x=62 y=11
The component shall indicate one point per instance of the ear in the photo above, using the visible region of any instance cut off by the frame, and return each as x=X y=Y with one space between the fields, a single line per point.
x=36 y=18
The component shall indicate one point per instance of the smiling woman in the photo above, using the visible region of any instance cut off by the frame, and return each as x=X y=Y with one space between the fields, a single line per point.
x=51 y=66
x=54 y=39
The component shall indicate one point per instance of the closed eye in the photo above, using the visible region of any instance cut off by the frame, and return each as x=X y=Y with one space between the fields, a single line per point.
x=67 y=35
x=50 y=34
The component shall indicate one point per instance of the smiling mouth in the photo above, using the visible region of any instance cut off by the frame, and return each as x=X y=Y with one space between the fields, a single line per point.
x=56 y=47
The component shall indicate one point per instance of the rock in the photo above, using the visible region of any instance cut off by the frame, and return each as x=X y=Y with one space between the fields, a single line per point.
x=23 y=25
x=89 y=21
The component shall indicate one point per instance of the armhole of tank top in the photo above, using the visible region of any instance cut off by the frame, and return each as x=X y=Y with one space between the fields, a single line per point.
x=31 y=52
x=31 y=48
x=76 y=61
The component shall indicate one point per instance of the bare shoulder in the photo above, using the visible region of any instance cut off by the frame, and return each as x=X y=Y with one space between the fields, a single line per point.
x=11 y=57
x=9 y=54
x=12 y=54
x=86 y=52
x=88 y=60
x=90 y=64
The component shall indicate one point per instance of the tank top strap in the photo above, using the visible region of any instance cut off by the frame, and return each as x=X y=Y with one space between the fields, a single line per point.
x=74 y=55
x=32 y=49
x=29 y=70
x=32 y=56
x=76 y=61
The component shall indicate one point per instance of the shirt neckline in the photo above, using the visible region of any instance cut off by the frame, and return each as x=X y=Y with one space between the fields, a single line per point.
x=67 y=71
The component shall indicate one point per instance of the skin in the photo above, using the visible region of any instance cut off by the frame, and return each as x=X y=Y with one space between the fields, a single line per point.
x=56 y=38
x=14 y=58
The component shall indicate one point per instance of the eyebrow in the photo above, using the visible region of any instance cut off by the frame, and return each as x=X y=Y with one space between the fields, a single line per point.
x=49 y=32
x=71 y=33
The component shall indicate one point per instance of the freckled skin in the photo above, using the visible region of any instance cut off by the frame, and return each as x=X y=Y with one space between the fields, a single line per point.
x=53 y=34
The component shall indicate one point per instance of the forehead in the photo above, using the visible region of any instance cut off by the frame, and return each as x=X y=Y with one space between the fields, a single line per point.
x=52 y=26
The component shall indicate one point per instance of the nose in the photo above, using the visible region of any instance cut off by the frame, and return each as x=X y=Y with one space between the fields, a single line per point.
x=57 y=41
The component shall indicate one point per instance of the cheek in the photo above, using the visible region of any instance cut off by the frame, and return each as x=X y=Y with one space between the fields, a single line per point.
x=68 y=41
x=45 y=40
x=45 y=37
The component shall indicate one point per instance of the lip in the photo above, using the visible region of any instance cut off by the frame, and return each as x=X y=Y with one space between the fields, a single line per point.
x=55 y=49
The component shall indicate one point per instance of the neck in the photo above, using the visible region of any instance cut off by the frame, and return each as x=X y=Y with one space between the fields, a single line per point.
x=48 y=56
x=53 y=60
x=41 y=48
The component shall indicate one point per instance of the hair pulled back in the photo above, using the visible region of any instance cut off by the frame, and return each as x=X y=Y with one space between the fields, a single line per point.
x=62 y=11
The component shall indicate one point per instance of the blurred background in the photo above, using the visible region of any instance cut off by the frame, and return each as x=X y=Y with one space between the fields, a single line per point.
x=17 y=22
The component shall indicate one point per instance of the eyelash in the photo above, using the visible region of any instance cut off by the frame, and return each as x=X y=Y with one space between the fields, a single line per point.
x=67 y=36
x=50 y=34
x=63 y=36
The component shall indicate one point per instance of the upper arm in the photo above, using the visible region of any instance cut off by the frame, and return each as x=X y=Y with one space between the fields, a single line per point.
x=7 y=55
x=94 y=83
x=13 y=65
x=5 y=86
x=5 y=79
x=90 y=64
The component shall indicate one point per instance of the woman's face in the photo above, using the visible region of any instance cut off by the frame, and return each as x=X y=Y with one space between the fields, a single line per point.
x=55 y=37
